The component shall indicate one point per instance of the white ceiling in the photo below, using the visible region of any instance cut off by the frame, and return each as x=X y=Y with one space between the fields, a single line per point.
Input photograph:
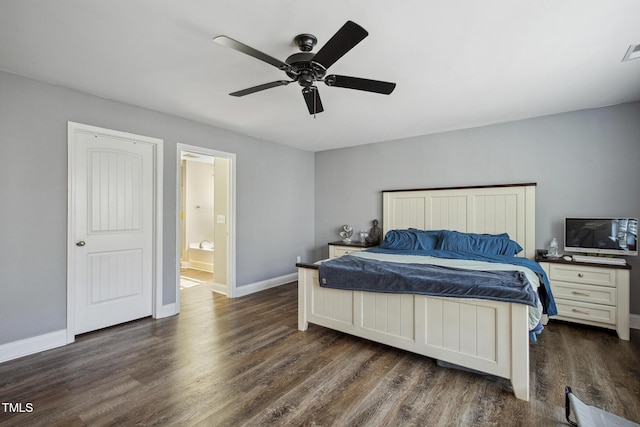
x=457 y=63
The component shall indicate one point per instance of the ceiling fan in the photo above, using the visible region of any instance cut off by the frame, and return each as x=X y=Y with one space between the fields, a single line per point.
x=307 y=68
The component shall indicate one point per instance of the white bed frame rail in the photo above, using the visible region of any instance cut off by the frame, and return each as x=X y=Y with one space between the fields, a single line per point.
x=482 y=335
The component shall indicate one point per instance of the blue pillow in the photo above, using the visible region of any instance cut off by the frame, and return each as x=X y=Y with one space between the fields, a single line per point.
x=411 y=239
x=485 y=244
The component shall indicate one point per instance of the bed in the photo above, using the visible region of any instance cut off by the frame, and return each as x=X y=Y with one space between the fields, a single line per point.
x=477 y=334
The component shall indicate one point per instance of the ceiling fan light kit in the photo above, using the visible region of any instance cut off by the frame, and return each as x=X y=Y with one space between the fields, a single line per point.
x=306 y=68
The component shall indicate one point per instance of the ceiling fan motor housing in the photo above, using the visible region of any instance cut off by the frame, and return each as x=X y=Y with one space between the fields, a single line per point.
x=303 y=69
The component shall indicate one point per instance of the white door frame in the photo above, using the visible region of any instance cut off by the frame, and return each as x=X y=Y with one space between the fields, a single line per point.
x=72 y=128
x=231 y=236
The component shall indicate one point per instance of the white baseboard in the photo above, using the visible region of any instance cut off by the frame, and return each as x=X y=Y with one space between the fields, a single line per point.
x=220 y=288
x=634 y=321
x=27 y=346
x=167 y=311
x=252 y=288
x=197 y=265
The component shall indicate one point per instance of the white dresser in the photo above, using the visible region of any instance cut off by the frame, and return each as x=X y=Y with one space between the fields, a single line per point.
x=591 y=294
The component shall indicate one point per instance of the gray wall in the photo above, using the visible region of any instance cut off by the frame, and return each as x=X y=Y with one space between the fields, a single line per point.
x=585 y=163
x=274 y=197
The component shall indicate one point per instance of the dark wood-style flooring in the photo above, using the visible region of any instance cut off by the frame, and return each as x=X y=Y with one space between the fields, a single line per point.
x=238 y=362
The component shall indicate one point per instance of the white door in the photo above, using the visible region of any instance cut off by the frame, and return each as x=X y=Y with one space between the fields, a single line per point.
x=111 y=245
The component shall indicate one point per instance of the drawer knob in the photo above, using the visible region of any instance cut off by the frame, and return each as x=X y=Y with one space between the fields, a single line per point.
x=575 y=310
x=580 y=275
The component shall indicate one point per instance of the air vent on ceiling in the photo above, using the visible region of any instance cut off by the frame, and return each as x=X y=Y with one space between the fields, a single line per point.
x=632 y=53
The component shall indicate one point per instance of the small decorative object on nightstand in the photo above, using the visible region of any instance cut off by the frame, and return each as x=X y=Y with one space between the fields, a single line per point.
x=375 y=234
x=346 y=233
x=553 y=249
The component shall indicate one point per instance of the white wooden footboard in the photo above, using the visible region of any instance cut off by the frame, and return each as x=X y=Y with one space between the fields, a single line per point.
x=483 y=335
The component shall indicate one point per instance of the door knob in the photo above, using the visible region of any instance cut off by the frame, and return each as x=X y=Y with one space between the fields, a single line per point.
x=80 y=243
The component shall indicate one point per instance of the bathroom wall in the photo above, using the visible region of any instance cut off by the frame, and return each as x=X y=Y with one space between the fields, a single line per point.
x=199 y=197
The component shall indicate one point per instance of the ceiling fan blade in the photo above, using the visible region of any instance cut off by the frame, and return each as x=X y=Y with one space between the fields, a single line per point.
x=258 y=88
x=342 y=42
x=312 y=98
x=358 y=83
x=248 y=50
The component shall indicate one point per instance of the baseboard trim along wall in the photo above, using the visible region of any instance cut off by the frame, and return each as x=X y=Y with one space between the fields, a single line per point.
x=27 y=346
x=241 y=291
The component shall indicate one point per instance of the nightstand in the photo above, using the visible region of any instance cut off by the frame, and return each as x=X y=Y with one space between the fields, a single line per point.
x=591 y=294
x=339 y=248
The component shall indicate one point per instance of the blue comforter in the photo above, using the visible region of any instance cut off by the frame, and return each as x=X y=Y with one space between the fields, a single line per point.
x=354 y=273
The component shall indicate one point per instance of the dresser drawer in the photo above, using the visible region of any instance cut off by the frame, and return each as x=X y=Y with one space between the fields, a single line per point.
x=586 y=311
x=583 y=275
x=337 y=251
x=586 y=293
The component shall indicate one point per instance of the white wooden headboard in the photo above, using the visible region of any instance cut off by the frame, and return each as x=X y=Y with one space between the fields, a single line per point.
x=486 y=209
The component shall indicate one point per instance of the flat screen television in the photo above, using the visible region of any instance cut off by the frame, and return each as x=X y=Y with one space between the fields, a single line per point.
x=606 y=236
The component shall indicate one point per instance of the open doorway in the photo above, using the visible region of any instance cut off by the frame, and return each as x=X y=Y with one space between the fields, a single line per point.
x=205 y=227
